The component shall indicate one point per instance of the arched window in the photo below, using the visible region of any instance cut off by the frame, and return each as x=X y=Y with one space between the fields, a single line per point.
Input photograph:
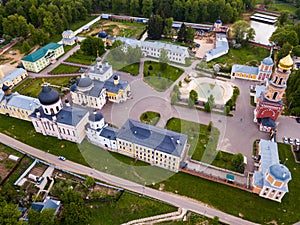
x=275 y=95
x=52 y=111
x=46 y=110
x=280 y=81
x=57 y=108
x=275 y=80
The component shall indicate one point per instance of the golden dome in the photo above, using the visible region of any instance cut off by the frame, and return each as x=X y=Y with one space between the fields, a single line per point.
x=286 y=62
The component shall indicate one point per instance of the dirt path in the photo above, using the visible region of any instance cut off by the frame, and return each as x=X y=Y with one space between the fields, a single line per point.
x=9 y=61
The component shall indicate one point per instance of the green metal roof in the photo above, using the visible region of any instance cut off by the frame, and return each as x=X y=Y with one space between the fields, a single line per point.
x=41 y=52
x=229 y=177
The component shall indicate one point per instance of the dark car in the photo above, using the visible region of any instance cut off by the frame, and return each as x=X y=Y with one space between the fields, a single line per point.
x=40 y=180
x=298 y=120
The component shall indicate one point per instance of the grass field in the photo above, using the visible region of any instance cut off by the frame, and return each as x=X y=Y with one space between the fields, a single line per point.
x=60 y=69
x=160 y=79
x=242 y=56
x=150 y=117
x=129 y=207
x=80 y=58
x=33 y=89
x=280 y=6
x=133 y=69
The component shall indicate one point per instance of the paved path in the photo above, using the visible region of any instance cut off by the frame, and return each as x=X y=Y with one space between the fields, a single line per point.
x=173 y=199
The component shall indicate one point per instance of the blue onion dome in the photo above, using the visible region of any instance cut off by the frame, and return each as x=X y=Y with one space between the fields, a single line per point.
x=5 y=88
x=95 y=116
x=84 y=82
x=218 y=21
x=280 y=172
x=48 y=96
x=102 y=34
x=268 y=61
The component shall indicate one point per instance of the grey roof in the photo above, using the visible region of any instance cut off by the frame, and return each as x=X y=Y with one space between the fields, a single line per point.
x=67 y=115
x=268 y=61
x=13 y=74
x=153 y=137
x=259 y=89
x=47 y=204
x=154 y=44
x=95 y=91
x=111 y=87
x=280 y=172
x=20 y=101
x=48 y=96
x=268 y=122
x=109 y=133
x=221 y=46
x=84 y=82
x=37 y=206
x=258 y=178
x=269 y=154
x=95 y=116
x=93 y=70
x=236 y=68
x=67 y=32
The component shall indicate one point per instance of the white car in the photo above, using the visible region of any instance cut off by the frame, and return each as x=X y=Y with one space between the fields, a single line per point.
x=297 y=141
x=62 y=158
x=291 y=141
x=285 y=140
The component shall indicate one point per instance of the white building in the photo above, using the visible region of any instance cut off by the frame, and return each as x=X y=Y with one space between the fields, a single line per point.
x=271 y=179
x=176 y=53
x=222 y=48
x=69 y=37
x=13 y=78
x=100 y=71
x=99 y=133
x=16 y=105
x=58 y=120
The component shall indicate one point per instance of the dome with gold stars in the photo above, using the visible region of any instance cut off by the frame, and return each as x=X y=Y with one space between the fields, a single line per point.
x=286 y=62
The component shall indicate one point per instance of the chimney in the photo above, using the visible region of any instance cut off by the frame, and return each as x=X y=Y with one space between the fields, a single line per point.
x=1 y=73
x=116 y=80
x=67 y=102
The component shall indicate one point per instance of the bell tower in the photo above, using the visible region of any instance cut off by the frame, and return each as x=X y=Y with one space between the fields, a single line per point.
x=270 y=102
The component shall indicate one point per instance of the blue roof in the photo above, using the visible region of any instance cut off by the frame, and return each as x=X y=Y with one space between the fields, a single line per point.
x=109 y=133
x=221 y=46
x=236 y=68
x=268 y=122
x=37 y=206
x=269 y=154
x=47 y=204
x=48 y=96
x=218 y=21
x=111 y=87
x=13 y=74
x=157 y=138
x=41 y=52
x=95 y=116
x=280 y=172
x=67 y=32
x=84 y=82
x=102 y=34
x=67 y=115
x=268 y=61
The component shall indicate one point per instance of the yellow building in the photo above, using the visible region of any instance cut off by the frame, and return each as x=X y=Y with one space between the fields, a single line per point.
x=151 y=144
x=16 y=105
x=41 y=58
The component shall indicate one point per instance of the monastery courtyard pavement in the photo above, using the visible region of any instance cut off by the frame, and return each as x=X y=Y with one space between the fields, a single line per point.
x=237 y=133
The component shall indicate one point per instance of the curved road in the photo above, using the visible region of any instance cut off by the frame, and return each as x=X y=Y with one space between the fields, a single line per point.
x=176 y=200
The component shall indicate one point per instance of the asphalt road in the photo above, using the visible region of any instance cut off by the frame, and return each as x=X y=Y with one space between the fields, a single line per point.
x=173 y=199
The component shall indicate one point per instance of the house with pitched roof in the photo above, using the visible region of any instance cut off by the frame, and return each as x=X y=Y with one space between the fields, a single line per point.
x=13 y=78
x=151 y=144
x=221 y=48
x=17 y=105
x=69 y=37
x=48 y=203
x=41 y=58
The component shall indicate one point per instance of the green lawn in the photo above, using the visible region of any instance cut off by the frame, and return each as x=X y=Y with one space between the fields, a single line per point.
x=203 y=143
x=15 y=128
x=33 y=89
x=80 y=58
x=245 y=55
x=280 y=6
x=21 y=85
x=150 y=117
x=133 y=69
x=129 y=207
x=160 y=79
x=60 y=69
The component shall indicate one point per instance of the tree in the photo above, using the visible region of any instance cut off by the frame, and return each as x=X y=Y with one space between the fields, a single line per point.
x=286 y=48
x=25 y=47
x=134 y=7
x=189 y=34
x=242 y=32
x=163 y=59
x=147 y=8
x=209 y=104
x=155 y=27
x=15 y=26
x=89 y=182
x=285 y=34
x=133 y=55
x=238 y=162
x=192 y=98
x=181 y=33
x=46 y=217
x=283 y=18
x=9 y=214
x=116 y=43
x=92 y=45
x=168 y=27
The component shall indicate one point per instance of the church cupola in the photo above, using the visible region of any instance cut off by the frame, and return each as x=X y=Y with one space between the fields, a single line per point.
x=96 y=120
x=50 y=100
x=286 y=63
x=116 y=80
x=6 y=90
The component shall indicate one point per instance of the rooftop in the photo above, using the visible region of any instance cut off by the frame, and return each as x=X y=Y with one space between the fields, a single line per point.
x=41 y=52
x=236 y=68
x=157 y=138
x=13 y=74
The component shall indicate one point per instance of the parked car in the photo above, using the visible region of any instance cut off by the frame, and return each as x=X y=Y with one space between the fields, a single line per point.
x=62 y=158
x=291 y=141
x=40 y=180
x=285 y=140
x=297 y=141
x=298 y=120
